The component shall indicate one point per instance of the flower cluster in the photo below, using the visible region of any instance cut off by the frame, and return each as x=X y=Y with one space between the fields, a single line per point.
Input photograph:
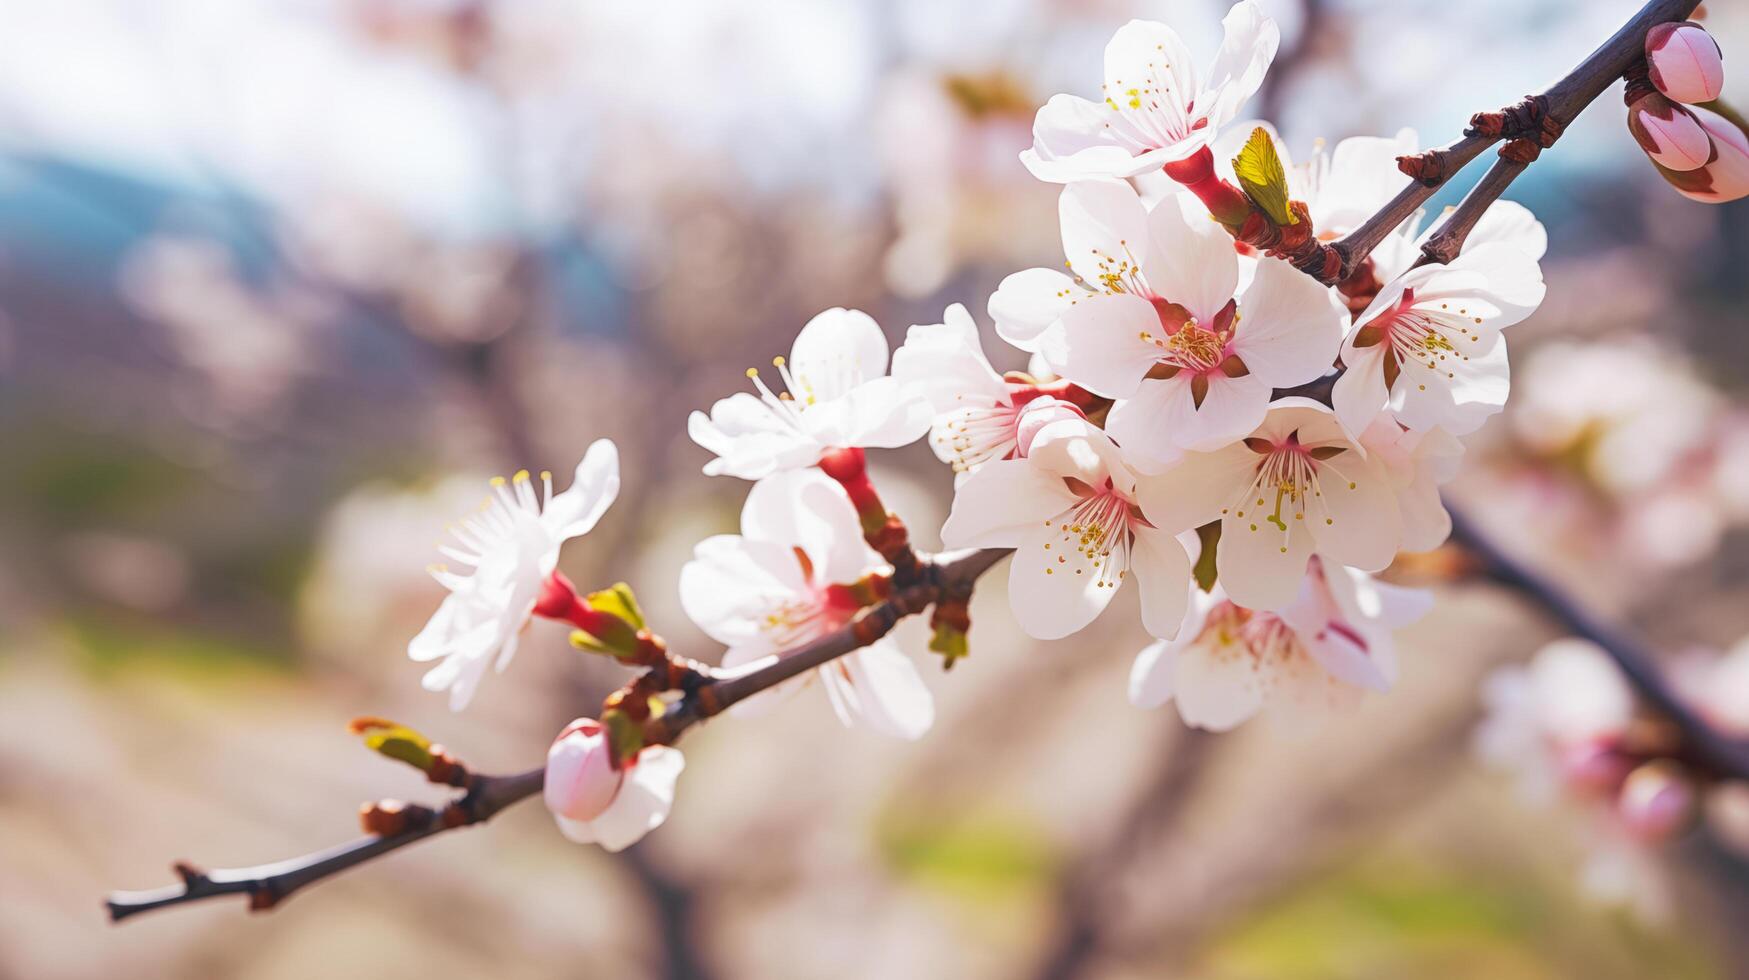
x=1249 y=445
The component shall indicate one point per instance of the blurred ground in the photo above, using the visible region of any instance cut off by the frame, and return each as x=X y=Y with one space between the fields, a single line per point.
x=282 y=282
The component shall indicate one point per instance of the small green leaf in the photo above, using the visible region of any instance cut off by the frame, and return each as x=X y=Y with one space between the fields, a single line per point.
x=1261 y=174
x=1210 y=535
x=396 y=741
x=950 y=642
x=625 y=736
x=619 y=601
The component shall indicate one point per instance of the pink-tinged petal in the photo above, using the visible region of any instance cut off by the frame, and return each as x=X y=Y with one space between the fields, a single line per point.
x=1195 y=490
x=594 y=487
x=945 y=362
x=1669 y=133
x=1261 y=562
x=1363 y=598
x=1230 y=410
x=581 y=781
x=1510 y=223
x=1290 y=326
x=1105 y=229
x=1248 y=46
x=881 y=690
x=1686 y=63
x=1004 y=503
x=1076 y=449
x=1190 y=260
x=643 y=801
x=1028 y=302
x=1050 y=601
x=1354 y=518
x=1154 y=673
x=1039 y=415
x=1457 y=399
x=835 y=351
x=1071 y=141
x=1360 y=395
x=1103 y=345
x=1217 y=682
x=1162 y=573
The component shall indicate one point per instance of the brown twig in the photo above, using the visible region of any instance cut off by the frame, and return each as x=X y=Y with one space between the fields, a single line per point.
x=1712 y=752
x=269 y=884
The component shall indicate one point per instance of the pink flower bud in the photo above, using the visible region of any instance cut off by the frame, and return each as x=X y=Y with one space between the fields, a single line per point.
x=1669 y=133
x=1656 y=801
x=581 y=780
x=1037 y=414
x=1685 y=62
x=1725 y=177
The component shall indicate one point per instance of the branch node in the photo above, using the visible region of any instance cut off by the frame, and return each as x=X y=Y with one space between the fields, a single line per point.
x=1429 y=168
x=1527 y=119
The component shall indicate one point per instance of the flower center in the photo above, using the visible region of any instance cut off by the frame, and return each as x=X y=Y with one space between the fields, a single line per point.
x=1426 y=339
x=1094 y=535
x=1287 y=481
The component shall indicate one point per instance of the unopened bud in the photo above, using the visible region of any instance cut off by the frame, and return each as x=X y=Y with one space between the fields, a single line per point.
x=1656 y=801
x=1725 y=177
x=1685 y=62
x=581 y=780
x=1669 y=133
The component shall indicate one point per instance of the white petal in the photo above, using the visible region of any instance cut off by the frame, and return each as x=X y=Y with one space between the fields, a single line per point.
x=1360 y=395
x=808 y=510
x=1261 y=563
x=1512 y=277
x=1070 y=142
x=750 y=440
x=1104 y=227
x=1355 y=518
x=1190 y=259
x=1510 y=223
x=1290 y=326
x=1152 y=675
x=1216 y=684
x=999 y=505
x=1102 y=343
x=1049 y=600
x=1162 y=573
x=945 y=362
x=1193 y=491
x=1027 y=302
x=886 y=693
x=1248 y=46
x=837 y=350
x=727 y=588
x=1361 y=177
x=1472 y=388
x=594 y=487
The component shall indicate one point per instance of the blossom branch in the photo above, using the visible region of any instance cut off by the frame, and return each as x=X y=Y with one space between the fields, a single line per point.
x=1702 y=744
x=1527 y=132
x=267 y=885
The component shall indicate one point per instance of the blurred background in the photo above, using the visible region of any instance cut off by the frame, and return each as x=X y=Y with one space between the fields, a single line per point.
x=282 y=282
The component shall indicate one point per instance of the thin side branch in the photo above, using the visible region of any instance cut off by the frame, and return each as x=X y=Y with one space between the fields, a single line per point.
x=269 y=884
x=1711 y=751
x=1562 y=102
